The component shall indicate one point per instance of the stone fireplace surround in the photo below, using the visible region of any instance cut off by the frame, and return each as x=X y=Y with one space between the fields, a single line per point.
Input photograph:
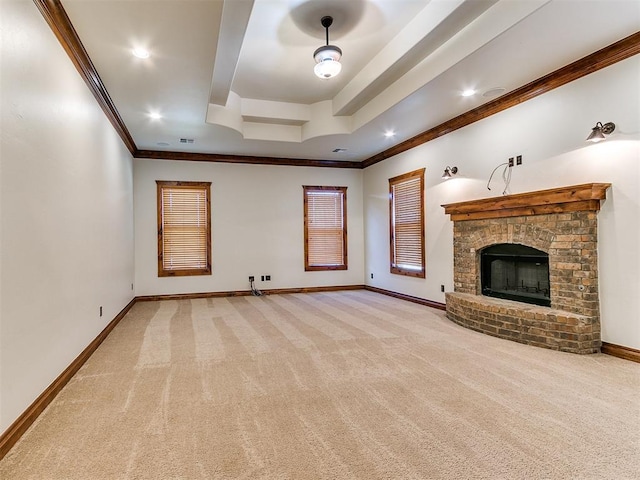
x=561 y=222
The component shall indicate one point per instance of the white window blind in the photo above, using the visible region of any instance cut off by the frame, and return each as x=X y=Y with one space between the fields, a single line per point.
x=184 y=228
x=407 y=224
x=325 y=228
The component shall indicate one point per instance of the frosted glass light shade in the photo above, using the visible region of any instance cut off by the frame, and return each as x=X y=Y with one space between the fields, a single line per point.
x=327 y=60
x=327 y=68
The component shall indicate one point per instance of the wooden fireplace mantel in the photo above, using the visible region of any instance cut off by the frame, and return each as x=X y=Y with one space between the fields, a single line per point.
x=576 y=198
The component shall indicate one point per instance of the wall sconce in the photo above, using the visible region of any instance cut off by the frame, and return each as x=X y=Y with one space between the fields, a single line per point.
x=599 y=131
x=449 y=172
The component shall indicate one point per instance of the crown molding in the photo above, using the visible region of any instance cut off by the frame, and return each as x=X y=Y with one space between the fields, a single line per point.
x=607 y=56
x=60 y=24
x=56 y=16
x=246 y=159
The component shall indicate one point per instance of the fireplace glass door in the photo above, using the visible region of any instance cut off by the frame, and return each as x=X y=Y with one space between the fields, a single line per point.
x=516 y=272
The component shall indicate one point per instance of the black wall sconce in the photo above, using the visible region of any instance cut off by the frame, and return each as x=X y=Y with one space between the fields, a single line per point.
x=599 y=131
x=449 y=172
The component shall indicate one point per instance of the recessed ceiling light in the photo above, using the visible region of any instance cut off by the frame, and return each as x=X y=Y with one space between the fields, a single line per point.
x=389 y=133
x=468 y=92
x=154 y=115
x=140 y=53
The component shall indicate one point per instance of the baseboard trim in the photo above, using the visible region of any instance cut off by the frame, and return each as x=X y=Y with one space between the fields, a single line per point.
x=246 y=293
x=11 y=436
x=619 y=351
x=22 y=424
x=409 y=298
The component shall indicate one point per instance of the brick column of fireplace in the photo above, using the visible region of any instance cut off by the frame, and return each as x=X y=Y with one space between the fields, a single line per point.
x=561 y=222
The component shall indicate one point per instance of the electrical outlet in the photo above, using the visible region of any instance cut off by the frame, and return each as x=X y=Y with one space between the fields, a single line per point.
x=372 y=275
x=267 y=278
x=100 y=310
x=251 y=278
x=511 y=161
x=519 y=160
x=262 y=278
x=442 y=288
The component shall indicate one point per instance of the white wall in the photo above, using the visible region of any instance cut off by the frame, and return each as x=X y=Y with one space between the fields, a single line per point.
x=257 y=226
x=549 y=132
x=66 y=212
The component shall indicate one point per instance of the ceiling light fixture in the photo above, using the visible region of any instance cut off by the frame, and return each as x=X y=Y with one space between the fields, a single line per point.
x=328 y=56
x=155 y=116
x=389 y=133
x=469 y=92
x=599 y=131
x=140 y=53
x=449 y=172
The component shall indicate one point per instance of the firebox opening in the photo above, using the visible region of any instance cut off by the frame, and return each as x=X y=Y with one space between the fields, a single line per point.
x=516 y=272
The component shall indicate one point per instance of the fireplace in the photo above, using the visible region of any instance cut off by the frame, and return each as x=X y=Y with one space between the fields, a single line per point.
x=515 y=272
x=526 y=267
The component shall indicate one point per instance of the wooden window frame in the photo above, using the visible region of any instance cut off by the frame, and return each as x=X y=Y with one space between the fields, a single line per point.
x=313 y=268
x=206 y=188
x=394 y=267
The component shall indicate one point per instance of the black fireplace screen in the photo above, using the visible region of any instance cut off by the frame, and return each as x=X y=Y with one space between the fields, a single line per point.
x=516 y=272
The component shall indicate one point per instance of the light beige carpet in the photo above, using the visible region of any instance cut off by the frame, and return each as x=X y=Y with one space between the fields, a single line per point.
x=345 y=385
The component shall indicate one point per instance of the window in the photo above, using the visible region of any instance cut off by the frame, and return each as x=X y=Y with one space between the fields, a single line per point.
x=184 y=228
x=406 y=213
x=325 y=228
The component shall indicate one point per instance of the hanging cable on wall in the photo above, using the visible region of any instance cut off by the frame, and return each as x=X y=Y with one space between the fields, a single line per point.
x=254 y=291
x=506 y=176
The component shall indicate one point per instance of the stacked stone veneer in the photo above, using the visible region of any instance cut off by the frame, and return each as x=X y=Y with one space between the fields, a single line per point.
x=572 y=322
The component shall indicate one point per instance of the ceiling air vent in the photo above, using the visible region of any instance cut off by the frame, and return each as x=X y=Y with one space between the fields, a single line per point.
x=494 y=92
x=187 y=140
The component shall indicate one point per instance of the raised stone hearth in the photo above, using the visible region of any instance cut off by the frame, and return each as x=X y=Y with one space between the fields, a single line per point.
x=525 y=323
x=561 y=222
